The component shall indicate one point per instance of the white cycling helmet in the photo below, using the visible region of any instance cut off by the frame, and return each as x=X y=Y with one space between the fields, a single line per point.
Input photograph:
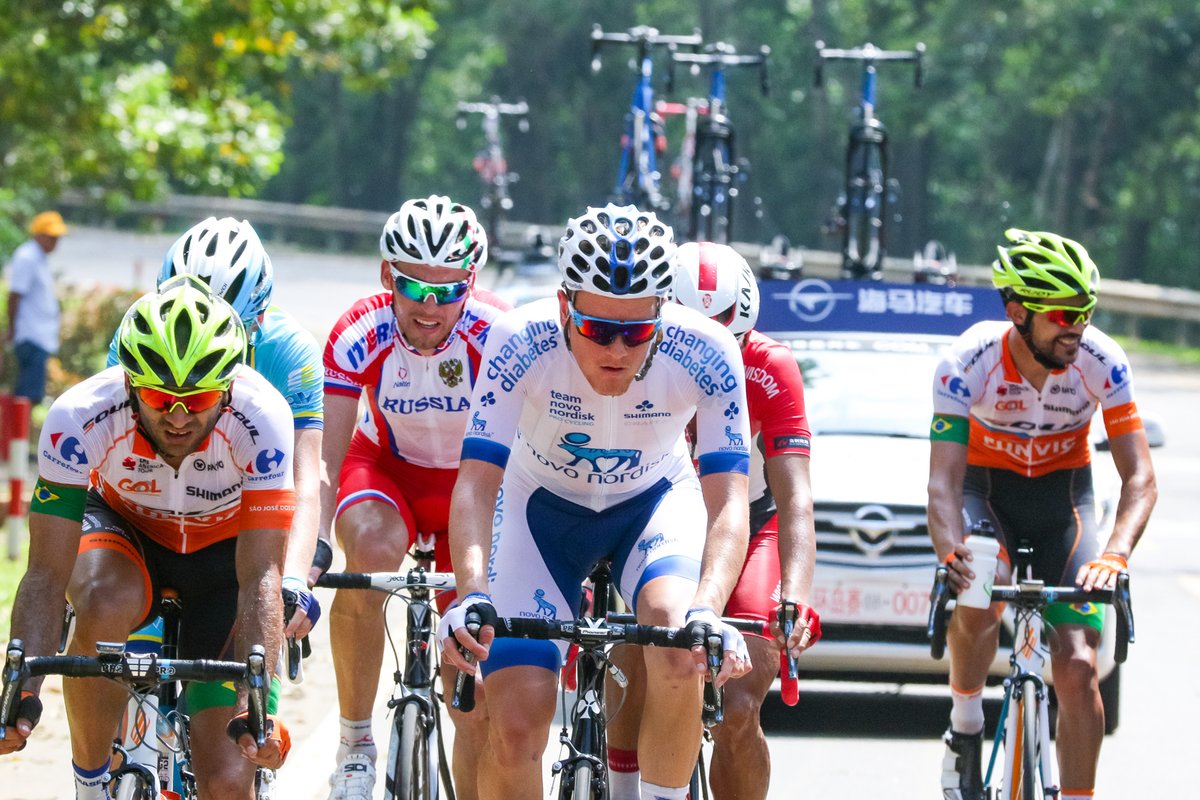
x=228 y=256
x=715 y=280
x=618 y=251
x=435 y=231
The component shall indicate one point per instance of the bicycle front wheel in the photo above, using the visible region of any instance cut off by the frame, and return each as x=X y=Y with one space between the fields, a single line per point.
x=1031 y=785
x=413 y=763
x=135 y=786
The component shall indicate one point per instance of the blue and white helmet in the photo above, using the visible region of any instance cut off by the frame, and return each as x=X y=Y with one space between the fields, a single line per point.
x=618 y=251
x=227 y=255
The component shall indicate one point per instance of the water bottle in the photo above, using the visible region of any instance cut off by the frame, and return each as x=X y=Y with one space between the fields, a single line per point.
x=140 y=728
x=984 y=550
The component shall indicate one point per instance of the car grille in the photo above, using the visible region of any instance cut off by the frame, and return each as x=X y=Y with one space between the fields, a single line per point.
x=871 y=535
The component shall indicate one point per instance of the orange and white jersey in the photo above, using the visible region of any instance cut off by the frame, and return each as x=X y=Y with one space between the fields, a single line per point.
x=239 y=479
x=1013 y=426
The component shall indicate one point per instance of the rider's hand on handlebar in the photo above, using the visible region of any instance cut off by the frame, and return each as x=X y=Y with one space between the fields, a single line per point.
x=805 y=633
x=959 y=570
x=29 y=711
x=735 y=657
x=306 y=609
x=1101 y=573
x=274 y=750
x=453 y=633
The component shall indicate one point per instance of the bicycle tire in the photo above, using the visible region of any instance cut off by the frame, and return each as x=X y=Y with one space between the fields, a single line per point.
x=1030 y=788
x=134 y=786
x=414 y=768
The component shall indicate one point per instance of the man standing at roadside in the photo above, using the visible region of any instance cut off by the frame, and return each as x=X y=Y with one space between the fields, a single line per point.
x=33 y=305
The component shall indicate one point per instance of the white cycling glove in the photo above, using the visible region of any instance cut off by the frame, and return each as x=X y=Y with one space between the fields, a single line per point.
x=731 y=637
x=456 y=616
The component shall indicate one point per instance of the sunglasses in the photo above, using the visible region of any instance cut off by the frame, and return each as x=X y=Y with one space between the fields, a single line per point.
x=418 y=291
x=192 y=402
x=605 y=331
x=1064 y=316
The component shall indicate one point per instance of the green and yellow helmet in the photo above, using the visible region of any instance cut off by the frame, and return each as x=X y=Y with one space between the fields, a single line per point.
x=1044 y=266
x=181 y=337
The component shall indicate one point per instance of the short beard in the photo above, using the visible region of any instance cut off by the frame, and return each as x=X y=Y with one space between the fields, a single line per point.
x=1049 y=362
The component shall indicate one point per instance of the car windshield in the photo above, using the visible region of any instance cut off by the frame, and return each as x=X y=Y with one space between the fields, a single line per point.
x=875 y=387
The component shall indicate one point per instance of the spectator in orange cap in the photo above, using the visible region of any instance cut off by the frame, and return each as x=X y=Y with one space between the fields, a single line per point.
x=33 y=309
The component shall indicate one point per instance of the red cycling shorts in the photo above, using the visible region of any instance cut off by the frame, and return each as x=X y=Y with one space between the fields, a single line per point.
x=757 y=592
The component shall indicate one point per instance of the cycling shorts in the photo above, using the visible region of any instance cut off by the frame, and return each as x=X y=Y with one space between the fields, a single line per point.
x=1055 y=513
x=756 y=594
x=204 y=580
x=544 y=546
x=421 y=495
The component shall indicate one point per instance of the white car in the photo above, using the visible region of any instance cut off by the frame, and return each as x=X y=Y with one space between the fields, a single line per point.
x=869 y=404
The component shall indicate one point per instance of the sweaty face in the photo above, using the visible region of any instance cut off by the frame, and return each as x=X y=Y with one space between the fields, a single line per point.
x=424 y=324
x=177 y=434
x=610 y=369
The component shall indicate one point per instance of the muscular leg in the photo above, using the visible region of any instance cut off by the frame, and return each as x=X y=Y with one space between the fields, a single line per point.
x=972 y=637
x=470 y=737
x=521 y=708
x=374 y=538
x=221 y=769
x=741 y=763
x=108 y=595
x=1080 y=709
x=669 y=740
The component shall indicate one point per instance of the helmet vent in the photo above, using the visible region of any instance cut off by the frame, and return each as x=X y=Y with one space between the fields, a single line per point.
x=623 y=251
x=182 y=331
x=203 y=367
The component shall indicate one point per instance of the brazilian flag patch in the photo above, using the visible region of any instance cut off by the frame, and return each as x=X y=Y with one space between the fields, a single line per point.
x=949 y=429
x=58 y=501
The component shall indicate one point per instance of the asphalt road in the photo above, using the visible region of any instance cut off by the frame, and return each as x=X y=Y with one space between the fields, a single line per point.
x=841 y=740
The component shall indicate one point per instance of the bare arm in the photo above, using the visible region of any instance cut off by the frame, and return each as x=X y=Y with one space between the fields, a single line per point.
x=726 y=496
x=302 y=538
x=260 y=602
x=38 y=607
x=471 y=508
x=1139 y=492
x=788 y=477
x=947 y=470
x=341 y=413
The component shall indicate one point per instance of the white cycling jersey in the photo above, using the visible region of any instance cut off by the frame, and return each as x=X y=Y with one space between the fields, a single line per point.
x=535 y=413
x=239 y=479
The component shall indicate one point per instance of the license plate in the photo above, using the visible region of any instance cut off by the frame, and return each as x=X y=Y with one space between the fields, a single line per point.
x=866 y=602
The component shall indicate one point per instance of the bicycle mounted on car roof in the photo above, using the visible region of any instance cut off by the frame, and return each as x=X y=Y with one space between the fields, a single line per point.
x=639 y=182
x=1023 y=729
x=490 y=162
x=862 y=209
x=713 y=169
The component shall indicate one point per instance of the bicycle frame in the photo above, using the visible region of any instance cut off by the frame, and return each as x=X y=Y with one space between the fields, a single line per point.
x=862 y=208
x=638 y=179
x=416 y=716
x=491 y=163
x=713 y=169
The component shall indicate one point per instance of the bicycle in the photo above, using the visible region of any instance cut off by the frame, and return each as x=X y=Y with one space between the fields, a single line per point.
x=713 y=170
x=584 y=769
x=490 y=162
x=145 y=677
x=1023 y=729
x=417 y=768
x=861 y=211
x=639 y=182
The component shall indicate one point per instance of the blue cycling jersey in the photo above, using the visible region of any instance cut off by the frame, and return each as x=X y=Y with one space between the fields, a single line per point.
x=288 y=357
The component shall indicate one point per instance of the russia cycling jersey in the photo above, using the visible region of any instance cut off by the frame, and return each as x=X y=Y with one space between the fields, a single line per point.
x=417 y=406
x=598 y=450
x=775 y=397
x=1014 y=426
x=239 y=479
x=289 y=358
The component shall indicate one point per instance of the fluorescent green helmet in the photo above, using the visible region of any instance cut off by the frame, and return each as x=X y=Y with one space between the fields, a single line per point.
x=181 y=337
x=1044 y=266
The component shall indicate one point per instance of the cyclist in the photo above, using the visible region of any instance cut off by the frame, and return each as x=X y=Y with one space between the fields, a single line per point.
x=1013 y=402
x=228 y=256
x=575 y=453
x=181 y=477
x=716 y=281
x=411 y=353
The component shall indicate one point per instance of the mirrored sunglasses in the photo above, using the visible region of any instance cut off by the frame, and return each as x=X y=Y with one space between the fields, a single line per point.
x=418 y=291
x=192 y=402
x=1064 y=316
x=605 y=331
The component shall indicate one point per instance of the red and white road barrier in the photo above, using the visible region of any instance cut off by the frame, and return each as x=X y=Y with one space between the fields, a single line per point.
x=14 y=447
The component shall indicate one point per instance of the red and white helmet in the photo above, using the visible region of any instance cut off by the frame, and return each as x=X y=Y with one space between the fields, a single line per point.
x=716 y=281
